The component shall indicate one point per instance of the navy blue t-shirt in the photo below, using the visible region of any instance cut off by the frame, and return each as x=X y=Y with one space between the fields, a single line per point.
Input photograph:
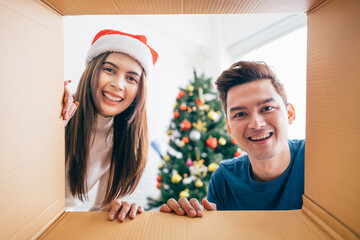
x=232 y=188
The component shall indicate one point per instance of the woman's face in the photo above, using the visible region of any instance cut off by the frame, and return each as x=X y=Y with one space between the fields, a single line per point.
x=118 y=84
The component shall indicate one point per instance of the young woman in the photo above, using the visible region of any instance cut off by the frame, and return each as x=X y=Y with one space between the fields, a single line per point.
x=106 y=128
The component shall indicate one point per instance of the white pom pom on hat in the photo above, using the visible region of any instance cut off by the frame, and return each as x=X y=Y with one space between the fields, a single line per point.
x=135 y=46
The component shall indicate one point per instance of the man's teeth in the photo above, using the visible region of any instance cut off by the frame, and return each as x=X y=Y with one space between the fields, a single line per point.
x=112 y=98
x=266 y=135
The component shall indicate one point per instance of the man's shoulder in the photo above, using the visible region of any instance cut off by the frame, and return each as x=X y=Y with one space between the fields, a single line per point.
x=230 y=168
x=296 y=143
x=235 y=162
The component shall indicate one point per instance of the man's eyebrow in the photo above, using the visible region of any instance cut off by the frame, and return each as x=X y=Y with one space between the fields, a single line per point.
x=232 y=109
x=265 y=101
x=237 y=108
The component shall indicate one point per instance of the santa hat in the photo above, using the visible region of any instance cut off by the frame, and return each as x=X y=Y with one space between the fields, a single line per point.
x=133 y=45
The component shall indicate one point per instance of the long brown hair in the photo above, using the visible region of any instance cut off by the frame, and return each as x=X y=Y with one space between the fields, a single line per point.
x=243 y=72
x=130 y=140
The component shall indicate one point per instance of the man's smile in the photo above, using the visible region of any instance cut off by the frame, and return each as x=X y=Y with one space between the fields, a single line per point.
x=261 y=137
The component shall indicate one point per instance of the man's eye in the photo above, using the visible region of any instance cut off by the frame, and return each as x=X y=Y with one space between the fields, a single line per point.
x=267 y=108
x=240 y=114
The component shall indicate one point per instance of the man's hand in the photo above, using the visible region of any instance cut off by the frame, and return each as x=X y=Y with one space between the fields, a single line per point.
x=120 y=209
x=191 y=208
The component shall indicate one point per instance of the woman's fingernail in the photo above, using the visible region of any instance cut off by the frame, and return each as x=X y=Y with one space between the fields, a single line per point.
x=67 y=100
x=122 y=217
x=192 y=212
x=76 y=103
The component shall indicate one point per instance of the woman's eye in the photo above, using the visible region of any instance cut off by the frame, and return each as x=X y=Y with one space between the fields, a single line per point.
x=109 y=70
x=133 y=79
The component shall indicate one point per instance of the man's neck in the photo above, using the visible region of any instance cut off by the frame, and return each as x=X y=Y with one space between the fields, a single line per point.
x=270 y=169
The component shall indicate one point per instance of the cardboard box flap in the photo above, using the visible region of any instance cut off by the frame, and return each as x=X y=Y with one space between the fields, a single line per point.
x=213 y=225
x=92 y=7
x=332 y=178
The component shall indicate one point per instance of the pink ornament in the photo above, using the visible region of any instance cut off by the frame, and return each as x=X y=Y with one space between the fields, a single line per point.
x=189 y=162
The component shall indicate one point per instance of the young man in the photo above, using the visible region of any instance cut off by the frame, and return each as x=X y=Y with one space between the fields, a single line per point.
x=271 y=175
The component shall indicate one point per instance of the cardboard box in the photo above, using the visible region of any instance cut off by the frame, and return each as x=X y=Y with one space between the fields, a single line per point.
x=32 y=135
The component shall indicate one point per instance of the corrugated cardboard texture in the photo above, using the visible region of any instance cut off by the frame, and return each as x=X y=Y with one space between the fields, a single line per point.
x=329 y=224
x=332 y=165
x=213 y=225
x=32 y=135
x=88 y=7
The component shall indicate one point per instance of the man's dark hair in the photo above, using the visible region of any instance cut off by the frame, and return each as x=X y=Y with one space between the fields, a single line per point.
x=244 y=72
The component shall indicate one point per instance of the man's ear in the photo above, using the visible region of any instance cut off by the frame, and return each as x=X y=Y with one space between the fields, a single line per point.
x=227 y=126
x=291 y=113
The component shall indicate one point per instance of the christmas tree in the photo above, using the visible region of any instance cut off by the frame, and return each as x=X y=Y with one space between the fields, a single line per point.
x=198 y=142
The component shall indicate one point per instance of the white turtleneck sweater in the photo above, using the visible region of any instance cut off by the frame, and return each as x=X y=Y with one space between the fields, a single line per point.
x=101 y=143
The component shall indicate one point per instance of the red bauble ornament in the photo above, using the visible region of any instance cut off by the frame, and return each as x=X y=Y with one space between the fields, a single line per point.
x=198 y=102
x=238 y=154
x=159 y=179
x=158 y=185
x=185 y=125
x=185 y=140
x=183 y=107
x=176 y=114
x=211 y=142
x=233 y=141
x=181 y=94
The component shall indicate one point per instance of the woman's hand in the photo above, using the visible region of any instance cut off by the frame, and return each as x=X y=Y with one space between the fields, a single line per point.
x=120 y=209
x=69 y=106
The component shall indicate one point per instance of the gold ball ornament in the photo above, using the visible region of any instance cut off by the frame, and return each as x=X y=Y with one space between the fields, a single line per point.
x=176 y=178
x=199 y=183
x=222 y=141
x=212 y=167
x=213 y=115
x=169 y=132
x=167 y=158
x=181 y=143
x=190 y=88
x=160 y=166
x=185 y=193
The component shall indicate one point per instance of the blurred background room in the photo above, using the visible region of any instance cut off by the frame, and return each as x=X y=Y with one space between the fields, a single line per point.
x=207 y=44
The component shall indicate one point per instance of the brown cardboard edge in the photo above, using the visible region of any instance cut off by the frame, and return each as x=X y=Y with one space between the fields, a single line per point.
x=326 y=222
x=52 y=7
x=317 y=6
x=50 y=225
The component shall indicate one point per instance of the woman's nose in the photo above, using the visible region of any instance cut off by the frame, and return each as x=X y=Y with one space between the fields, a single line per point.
x=119 y=83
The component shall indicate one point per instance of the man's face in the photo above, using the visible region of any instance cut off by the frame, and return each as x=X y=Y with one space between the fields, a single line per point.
x=258 y=119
